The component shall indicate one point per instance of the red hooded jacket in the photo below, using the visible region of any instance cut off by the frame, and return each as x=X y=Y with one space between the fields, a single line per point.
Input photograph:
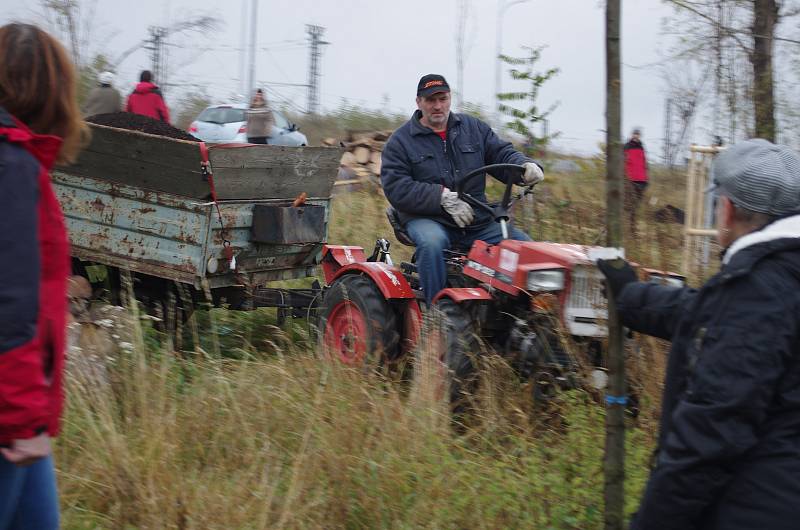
x=146 y=99
x=34 y=266
x=635 y=161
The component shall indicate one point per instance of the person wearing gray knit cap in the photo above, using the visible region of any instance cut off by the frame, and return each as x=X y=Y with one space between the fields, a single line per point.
x=729 y=443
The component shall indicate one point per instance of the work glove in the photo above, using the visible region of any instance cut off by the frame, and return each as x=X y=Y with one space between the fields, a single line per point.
x=618 y=273
x=460 y=211
x=533 y=174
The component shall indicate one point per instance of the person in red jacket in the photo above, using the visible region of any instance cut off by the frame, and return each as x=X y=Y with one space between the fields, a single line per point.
x=40 y=125
x=146 y=99
x=636 y=173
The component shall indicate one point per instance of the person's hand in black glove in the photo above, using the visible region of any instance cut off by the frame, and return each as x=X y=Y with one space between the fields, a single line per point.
x=618 y=273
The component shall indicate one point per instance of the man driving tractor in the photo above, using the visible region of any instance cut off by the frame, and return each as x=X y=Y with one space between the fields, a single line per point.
x=421 y=165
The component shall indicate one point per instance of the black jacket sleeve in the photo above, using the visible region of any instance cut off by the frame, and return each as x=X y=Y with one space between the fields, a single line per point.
x=403 y=192
x=737 y=366
x=653 y=309
x=19 y=246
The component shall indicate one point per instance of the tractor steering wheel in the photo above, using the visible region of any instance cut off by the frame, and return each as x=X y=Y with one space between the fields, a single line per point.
x=499 y=212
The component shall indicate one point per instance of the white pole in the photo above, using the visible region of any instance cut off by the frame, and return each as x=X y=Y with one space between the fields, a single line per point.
x=251 y=74
x=243 y=49
x=498 y=47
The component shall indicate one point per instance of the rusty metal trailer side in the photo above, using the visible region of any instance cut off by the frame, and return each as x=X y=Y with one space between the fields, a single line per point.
x=140 y=202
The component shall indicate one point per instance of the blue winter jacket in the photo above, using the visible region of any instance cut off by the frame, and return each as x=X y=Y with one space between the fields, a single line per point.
x=729 y=446
x=416 y=164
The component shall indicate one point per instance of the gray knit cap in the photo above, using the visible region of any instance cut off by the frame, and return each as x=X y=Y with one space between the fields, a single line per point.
x=759 y=176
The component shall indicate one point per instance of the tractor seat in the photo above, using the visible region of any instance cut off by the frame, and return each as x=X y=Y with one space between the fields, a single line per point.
x=399 y=230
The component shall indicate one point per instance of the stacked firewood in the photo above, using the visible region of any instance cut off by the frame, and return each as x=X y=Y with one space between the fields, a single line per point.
x=362 y=157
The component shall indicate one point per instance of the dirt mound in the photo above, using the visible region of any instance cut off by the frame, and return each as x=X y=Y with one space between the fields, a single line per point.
x=137 y=122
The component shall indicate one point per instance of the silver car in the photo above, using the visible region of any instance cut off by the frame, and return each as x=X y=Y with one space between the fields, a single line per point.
x=228 y=124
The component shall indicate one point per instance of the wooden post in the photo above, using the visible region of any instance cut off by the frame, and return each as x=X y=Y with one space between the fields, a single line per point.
x=614 y=462
x=688 y=221
x=695 y=233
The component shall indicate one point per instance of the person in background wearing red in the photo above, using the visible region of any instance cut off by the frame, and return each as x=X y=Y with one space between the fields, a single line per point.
x=636 y=173
x=146 y=99
x=40 y=125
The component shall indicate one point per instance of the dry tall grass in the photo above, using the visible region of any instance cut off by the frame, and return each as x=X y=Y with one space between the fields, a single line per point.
x=297 y=442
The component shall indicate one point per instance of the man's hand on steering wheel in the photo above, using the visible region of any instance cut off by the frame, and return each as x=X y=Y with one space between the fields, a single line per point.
x=529 y=175
x=533 y=174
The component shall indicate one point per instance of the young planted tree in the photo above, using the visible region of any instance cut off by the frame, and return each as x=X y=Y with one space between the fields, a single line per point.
x=614 y=462
x=526 y=115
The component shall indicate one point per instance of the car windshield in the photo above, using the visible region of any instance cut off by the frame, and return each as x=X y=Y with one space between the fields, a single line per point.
x=280 y=120
x=221 y=115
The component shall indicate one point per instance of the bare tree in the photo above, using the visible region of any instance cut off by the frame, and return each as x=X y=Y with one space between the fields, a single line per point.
x=726 y=33
x=73 y=21
x=194 y=24
x=765 y=18
x=686 y=84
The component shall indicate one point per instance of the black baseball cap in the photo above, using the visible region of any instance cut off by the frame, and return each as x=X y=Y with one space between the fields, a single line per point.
x=431 y=84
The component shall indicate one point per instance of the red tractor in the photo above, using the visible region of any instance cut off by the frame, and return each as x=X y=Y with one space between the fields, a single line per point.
x=525 y=300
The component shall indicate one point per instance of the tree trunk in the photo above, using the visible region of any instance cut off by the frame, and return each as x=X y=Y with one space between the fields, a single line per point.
x=614 y=462
x=765 y=18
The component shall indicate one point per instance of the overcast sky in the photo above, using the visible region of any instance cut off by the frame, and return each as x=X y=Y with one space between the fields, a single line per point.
x=379 y=48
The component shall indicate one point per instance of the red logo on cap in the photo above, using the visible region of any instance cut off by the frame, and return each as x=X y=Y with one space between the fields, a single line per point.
x=433 y=83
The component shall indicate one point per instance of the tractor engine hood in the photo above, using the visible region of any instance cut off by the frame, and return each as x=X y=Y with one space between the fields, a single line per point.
x=573 y=276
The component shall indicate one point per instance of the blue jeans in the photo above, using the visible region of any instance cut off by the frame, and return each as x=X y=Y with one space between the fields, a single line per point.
x=28 y=497
x=432 y=238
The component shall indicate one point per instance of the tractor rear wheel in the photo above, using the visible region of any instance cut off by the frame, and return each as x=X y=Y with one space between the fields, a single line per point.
x=357 y=324
x=461 y=348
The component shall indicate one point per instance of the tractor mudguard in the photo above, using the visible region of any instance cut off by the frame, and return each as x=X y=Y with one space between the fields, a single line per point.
x=389 y=279
x=334 y=257
x=463 y=294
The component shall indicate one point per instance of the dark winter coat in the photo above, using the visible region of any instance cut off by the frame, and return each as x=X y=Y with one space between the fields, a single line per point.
x=103 y=99
x=416 y=164
x=146 y=99
x=34 y=265
x=635 y=161
x=729 y=445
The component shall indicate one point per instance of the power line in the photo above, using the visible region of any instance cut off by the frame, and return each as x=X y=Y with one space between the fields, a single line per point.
x=288 y=102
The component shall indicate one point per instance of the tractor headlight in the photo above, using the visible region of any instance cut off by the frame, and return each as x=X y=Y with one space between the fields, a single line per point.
x=546 y=280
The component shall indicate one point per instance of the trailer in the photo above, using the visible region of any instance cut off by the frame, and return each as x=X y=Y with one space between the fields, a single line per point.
x=193 y=222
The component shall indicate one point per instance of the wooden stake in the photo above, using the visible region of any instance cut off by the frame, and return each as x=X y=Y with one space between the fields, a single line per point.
x=614 y=462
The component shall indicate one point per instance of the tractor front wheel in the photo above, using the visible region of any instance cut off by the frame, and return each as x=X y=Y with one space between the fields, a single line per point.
x=357 y=324
x=460 y=349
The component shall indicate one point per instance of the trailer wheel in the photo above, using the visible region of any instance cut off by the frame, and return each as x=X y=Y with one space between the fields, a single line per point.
x=357 y=323
x=460 y=348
